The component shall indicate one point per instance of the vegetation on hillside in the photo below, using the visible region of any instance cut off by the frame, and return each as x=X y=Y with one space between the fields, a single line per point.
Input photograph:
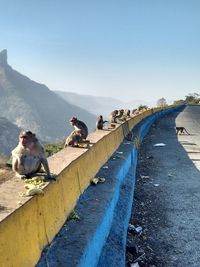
x=193 y=98
x=51 y=149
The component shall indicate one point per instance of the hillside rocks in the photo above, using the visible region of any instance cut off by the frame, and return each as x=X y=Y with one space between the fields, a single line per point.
x=8 y=136
x=3 y=57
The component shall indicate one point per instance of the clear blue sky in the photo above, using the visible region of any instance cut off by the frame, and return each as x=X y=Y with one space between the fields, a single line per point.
x=129 y=49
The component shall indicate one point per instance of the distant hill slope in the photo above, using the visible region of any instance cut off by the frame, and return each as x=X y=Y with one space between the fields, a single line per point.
x=94 y=104
x=33 y=106
x=98 y=104
x=8 y=136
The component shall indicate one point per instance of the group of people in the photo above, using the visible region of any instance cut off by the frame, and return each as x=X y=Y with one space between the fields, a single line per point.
x=29 y=155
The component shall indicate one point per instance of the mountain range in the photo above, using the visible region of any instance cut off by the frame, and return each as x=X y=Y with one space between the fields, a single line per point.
x=99 y=104
x=31 y=105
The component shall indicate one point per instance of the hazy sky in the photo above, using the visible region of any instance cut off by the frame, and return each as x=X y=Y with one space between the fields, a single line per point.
x=129 y=49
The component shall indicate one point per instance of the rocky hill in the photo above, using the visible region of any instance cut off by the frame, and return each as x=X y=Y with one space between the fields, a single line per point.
x=31 y=105
x=9 y=133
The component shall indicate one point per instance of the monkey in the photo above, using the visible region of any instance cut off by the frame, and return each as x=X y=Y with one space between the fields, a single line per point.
x=80 y=127
x=100 y=122
x=117 y=116
x=113 y=115
x=120 y=116
x=135 y=112
x=75 y=140
x=29 y=156
x=181 y=130
x=127 y=113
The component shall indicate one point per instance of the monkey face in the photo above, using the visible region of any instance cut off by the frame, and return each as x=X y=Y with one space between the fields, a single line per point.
x=73 y=121
x=27 y=139
x=23 y=140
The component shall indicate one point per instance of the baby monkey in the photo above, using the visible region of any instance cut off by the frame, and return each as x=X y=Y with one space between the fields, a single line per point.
x=100 y=122
x=75 y=140
x=181 y=130
x=78 y=137
x=28 y=156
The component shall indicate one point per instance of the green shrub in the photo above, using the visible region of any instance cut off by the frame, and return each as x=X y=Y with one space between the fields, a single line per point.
x=51 y=149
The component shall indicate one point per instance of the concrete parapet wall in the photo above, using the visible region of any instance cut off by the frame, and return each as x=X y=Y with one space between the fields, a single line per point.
x=27 y=230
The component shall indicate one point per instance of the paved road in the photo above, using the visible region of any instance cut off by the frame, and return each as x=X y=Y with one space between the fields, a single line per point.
x=167 y=199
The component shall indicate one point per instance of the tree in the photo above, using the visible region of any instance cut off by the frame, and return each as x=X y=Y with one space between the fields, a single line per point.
x=142 y=107
x=192 y=98
x=162 y=102
x=179 y=102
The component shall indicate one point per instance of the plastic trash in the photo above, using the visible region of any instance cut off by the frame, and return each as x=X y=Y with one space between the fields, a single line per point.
x=135 y=229
x=135 y=264
x=98 y=180
x=144 y=176
x=160 y=144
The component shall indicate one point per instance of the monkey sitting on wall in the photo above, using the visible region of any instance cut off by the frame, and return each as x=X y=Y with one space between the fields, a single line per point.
x=28 y=156
x=181 y=130
x=100 y=122
x=78 y=137
x=117 y=116
x=135 y=112
x=80 y=127
x=113 y=115
x=121 y=116
x=127 y=114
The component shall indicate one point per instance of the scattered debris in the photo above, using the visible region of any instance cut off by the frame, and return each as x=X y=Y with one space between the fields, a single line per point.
x=150 y=157
x=38 y=181
x=33 y=192
x=73 y=216
x=137 y=230
x=144 y=176
x=98 y=180
x=135 y=264
x=160 y=144
x=120 y=152
x=121 y=157
x=30 y=186
x=105 y=167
